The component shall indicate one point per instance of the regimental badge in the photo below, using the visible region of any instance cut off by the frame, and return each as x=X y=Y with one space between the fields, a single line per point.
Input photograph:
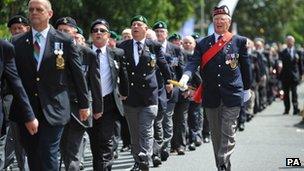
x=116 y=64
x=59 y=52
x=65 y=20
x=232 y=60
x=153 y=60
x=20 y=19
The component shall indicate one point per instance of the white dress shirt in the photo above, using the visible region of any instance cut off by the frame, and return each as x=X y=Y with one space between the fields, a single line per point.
x=135 y=50
x=105 y=71
x=42 y=43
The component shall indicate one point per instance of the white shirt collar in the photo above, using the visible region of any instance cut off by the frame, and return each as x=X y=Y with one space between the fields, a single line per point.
x=216 y=36
x=43 y=33
x=142 y=41
x=103 y=49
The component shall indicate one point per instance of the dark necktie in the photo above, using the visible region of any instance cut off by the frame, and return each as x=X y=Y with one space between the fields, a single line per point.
x=36 y=46
x=139 y=48
x=98 y=51
x=219 y=38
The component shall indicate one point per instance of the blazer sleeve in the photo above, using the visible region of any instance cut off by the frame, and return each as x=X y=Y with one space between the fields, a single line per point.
x=245 y=63
x=162 y=63
x=123 y=75
x=78 y=77
x=14 y=81
x=94 y=82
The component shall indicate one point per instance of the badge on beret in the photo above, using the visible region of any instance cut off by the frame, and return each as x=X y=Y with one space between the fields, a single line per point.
x=141 y=18
x=160 y=25
x=59 y=52
x=20 y=19
x=65 y=20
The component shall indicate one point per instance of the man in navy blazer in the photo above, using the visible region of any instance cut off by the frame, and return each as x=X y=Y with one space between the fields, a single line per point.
x=9 y=73
x=226 y=79
x=44 y=57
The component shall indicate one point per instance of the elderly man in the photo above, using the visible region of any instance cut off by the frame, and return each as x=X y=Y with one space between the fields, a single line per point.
x=18 y=24
x=142 y=57
x=44 y=57
x=226 y=77
x=291 y=74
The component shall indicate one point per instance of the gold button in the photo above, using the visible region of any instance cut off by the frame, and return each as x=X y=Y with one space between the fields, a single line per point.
x=37 y=79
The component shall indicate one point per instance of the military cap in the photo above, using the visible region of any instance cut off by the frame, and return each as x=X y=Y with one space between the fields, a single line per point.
x=79 y=30
x=160 y=25
x=195 y=35
x=113 y=35
x=66 y=21
x=221 y=10
x=17 y=19
x=139 y=18
x=100 y=21
x=174 y=36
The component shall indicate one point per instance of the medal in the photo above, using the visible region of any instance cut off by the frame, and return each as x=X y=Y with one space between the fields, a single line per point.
x=153 y=62
x=59 y=59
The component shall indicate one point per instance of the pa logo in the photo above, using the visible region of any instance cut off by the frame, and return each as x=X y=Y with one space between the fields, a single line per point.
x=293 y=162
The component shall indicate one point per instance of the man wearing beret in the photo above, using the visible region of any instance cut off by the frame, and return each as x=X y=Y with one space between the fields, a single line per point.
x=174 y=57
x=226 y=78
x=73 y=132
x=18 y=24
x=176 y=39
x=115 y=88
x=142 y=57
x=44 y=59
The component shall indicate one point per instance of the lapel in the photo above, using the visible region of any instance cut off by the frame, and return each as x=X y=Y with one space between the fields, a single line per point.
x=110 y=56
x=130 y=52
x=145 y=53
x=29 y=50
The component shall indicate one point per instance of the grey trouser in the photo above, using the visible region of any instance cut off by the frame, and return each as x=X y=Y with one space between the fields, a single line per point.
x=140 y=121
x=223 y=122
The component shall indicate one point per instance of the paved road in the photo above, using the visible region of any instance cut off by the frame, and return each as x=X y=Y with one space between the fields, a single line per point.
x=264 y=146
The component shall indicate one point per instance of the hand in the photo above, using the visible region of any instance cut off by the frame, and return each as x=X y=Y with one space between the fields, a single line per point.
x=169 y=87
x=122 y=97
x=186 y=94
x=247 y=95
x=84 y=114
x=183 y=82
x=97 y=115
x=32 y=126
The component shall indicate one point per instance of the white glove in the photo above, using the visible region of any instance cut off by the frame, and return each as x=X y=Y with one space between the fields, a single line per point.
x=183 y=82
x=247 y=95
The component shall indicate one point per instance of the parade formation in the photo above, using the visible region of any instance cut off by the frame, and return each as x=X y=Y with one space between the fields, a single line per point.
x=155 y=92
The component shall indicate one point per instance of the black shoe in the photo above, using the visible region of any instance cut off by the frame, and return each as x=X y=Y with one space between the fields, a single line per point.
x=125 y=148
x=198 y=142
x=156 y=161
x=115 y=154
x=241 y=127
x=296 y=111
x=206 y=140
x=180 y=151
x=222 y=168
x=285 y=112
x=135 y=167
x=164 y=154
x=143 y=166
x=192 y=147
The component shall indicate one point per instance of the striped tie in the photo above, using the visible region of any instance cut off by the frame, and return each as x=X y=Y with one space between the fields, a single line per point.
x=37 y=46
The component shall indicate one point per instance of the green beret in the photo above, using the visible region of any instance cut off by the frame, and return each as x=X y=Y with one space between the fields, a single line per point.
x=139 y=18
x=160 y=25
x=174 y=36
x=113 y=35
x=79 y=30
x=195 y=35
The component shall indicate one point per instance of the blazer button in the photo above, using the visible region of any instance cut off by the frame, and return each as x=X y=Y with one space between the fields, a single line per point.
x=132 y=73
x=37 y=79
x=128 y=63
x=36 y=94
x=144 y=75
x=218 y=75
x=219 y=66
x=219 y=85
x=143 y=85
x=148 y=64
x=132 y=84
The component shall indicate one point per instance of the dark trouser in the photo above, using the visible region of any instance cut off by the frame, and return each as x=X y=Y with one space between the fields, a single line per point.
x=125 y=134
x=180 y=124
x=206 y=128
x=194 y=121
x=223 y=122
x=102 y=134
x=167 y=123
x=70 y=144
x=158 y=132
x=42 y=148
x=294 y=96
x=243 y=116
x=2 y=151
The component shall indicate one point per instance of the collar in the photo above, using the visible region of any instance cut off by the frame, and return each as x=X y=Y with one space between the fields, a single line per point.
x=216 y=36
x=103 y=49
x=142 y=41
x=43 y=33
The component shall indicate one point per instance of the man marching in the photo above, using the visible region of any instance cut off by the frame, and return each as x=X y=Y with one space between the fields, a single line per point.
x=226 y=77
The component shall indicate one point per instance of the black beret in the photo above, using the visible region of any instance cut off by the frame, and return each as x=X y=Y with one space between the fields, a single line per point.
x=100 y=21
x=220 y=10
x=139 y=18
x=17 y=19
x=174 y=36
x=160 y=24
x=66 y=21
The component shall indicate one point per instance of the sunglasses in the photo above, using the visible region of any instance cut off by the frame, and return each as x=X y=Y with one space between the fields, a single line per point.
x=96 y=30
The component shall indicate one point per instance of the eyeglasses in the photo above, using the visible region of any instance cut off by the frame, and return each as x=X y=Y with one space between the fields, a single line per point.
x=96 y=30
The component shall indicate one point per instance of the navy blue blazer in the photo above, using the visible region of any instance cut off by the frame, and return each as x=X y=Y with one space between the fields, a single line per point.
x=142 y=78
x=223 y=83
x=48 y=88
x=9 y=73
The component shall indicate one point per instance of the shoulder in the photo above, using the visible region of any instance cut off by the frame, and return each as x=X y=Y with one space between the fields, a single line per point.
x=60 y=36
x=117 y=51
x=239 y=39
x=20 y=37
x=205 y=40
x=86 y=50
x=125 y=43
x=154 y=43
x=6 y=45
